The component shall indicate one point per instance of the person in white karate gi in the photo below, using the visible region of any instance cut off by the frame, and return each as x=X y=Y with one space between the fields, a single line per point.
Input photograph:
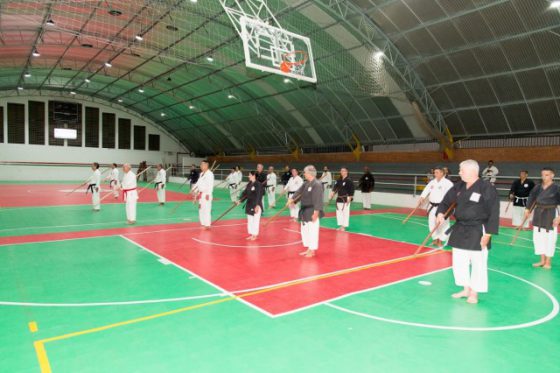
x=159 y=184
x=94 y=187
x=291 y=187
x=114 y=180
x=271 y=182
x=130 y=194
x=202 y=191
x=435 y=190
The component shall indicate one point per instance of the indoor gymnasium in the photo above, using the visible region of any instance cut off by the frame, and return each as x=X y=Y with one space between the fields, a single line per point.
x=279 y=186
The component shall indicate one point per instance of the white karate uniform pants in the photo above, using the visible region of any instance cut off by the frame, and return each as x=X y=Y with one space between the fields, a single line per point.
x=205 y=209
x=130 y=205
x=271 y=194
x=95 y=200
x=366 y=200
x=545 y=242
x=517 y=216
x=310 y=234
x=439 y=234
x=115 y=188
x=470 y=268
x=326 y=192
x=233 y=194
x=253 y=224
x=294 y=210
x=343 y=214
x=160 y=194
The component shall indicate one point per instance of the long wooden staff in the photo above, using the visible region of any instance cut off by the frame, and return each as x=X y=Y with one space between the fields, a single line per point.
x=509 y=203
x=273 y=217
x=523 y=223
x=412 y=212
x=234 y=205
x=84 y=183
x=154 y=179
x=192 y=191
x=445 y=216
x=137 y=176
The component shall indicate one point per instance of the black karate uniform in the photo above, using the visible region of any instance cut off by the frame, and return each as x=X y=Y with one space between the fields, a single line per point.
x=344 y=188
x=546 y=207
x=193 y=177
x=367 y=183
x=286 y=177
x=521 y=191
x=252 y=195
x=311 y=193
x=477 y=212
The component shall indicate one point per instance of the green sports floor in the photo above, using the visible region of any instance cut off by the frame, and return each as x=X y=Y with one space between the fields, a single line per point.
x=79 y=292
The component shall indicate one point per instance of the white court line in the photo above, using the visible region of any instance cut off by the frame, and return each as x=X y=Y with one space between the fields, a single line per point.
x=86 y=224
x=230 y=294
x=246 y=246
x=101 y=304
x=553 y=313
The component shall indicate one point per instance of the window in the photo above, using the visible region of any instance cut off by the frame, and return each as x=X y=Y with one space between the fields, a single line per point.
x=36 y=122
x=153 y=142
x=139 y=138
x=16 y=123
x=92 y=127
x=124 y=133
x=1 y=124
x=108 y=136
x=65 y=115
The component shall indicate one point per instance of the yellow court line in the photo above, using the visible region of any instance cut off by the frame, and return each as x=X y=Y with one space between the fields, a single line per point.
x=33 y=327
x=42 y=355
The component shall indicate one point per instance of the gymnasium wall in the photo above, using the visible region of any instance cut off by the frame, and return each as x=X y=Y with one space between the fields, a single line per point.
x=168 y=151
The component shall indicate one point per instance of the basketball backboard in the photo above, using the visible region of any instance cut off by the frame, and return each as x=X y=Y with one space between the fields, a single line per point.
x=275 y=50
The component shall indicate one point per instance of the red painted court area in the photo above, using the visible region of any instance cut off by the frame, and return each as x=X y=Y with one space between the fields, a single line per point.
x=223 y=257
x=26 y=195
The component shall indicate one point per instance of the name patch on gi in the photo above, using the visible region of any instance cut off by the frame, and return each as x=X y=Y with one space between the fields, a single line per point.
x=475 y=197
x=526 y=185
x=309 y=189
x=252 y=188
x=344 y=183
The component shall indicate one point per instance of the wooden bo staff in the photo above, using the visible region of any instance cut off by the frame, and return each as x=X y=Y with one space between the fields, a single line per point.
x=211 y=169
x=192 y=191
x=273 y=217
x=154 y=179
x=445 y=216
x=140 y=173
x=509 y=203
x=234 y=205
x=412 y=212
x=523 y=223
x=84 y=183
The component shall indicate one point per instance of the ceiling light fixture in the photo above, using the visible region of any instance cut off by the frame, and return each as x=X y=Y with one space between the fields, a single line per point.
x=379 y=54
x=555 y=5
x=108 y=64
x=286 y=80
x=230 y=96
x=20 y=88
x=210 y=59
x=194 y=1
x=191 y=107
x=141 y=90
x=27 y=74
x=87 y=80
x=72 y=92
x=139 y=37
x=35 y=53
x=120 y=100
x=162 y=114
x=50 y=22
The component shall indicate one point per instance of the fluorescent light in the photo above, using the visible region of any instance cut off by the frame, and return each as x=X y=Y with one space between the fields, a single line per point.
x=108 y=64
x=20 y=88
x=141 y=90
x=555 y=5
x=230 y=96
x=191 y=107
x=286 y=80
x=72 y=92
x=210 y=59
x=120 y=100
x=36 y=53
x=27 y=74
x=379 y=54
x=162 y=114
x=194 y=1
x=139 y=37
x=87 y=80
x=65 y=133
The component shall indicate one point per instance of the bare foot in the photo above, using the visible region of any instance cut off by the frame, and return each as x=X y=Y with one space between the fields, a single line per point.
x=461 y=294
x=248 y=238
x=206 y=228
x=539 y=264
x=252 y=238
x=473 y=299
x=310 y=254
x=131 y=222
x=547 y=266
x=342 y=229
x=304 y=252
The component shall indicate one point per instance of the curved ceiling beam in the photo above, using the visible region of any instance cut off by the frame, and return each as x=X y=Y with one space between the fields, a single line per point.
x=359 y=22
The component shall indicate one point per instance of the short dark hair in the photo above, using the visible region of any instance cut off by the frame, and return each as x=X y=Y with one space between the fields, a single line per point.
x=114 y=164
x=439 y=168
x=253 y=173
x=525 y=171
x=548 y=169
x=96 y=165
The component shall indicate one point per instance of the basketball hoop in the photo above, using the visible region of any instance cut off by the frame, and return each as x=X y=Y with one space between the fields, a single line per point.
x=294 y=62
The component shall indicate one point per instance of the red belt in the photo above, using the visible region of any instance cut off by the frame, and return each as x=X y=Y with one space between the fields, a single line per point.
x=126 y=191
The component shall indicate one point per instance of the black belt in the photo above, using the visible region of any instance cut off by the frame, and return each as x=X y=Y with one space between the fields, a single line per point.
x=432 y=205
x=159 y=182
x=90 y=187
x=233 y=186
